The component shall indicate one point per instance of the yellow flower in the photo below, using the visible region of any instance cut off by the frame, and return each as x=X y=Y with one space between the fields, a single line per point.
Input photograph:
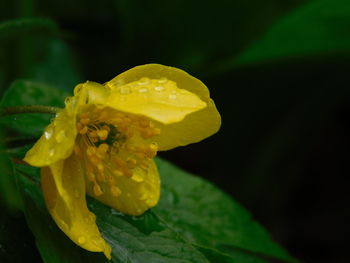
x=103 y=143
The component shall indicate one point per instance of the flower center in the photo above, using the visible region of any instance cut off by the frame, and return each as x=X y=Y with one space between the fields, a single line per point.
x=113 y=144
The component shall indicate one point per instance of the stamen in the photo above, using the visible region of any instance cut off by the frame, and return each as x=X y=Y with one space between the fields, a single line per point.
x=97 y=190
x=85 y=121
x=83 y=130
x=106 y=143
x=102 y=134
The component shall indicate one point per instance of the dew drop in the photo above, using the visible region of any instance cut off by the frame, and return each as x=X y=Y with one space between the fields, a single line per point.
x=158 y=88
x=172 y=96
x=144 y=81
x=48 y=134
x=137 y=178
x=60 y=136
x=51 y=152
x=90 y=218
x=143 y=90
x=124 y=90
x=162 y=80
x=81 y=240
x=97 y=241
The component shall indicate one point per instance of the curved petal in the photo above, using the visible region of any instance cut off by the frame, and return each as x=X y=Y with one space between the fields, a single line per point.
x=57 y=141
x=158 y=99
x=137 y=194
x=194 y=128
x=63 y=185
x=90 y=93
x=197 y=124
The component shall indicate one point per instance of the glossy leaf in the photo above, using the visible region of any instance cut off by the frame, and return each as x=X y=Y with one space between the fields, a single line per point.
x=141 y=239
x=315 y=28
x=9 y=195
x=162 y=235
x=206 y=216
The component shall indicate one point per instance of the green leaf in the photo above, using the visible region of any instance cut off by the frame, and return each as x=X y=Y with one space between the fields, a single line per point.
x=164 y=234
x=206 y=216
x=23 y=92
x=316 y=28
x=21 y=27
x=9 y=195
x=235 y=256
x=141 y=239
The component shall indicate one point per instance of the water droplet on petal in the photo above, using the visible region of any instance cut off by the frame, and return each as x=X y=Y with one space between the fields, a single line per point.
x=97 y=241
x=137 y=178
x=60 y=136
x=81 y=240
x=90 y=218
x=124 y=90
x=48 y=133
x=158 y=88
x=143 y=90
x=51 y=152
x=144 y=81
x=172 y=96
x=162 y=80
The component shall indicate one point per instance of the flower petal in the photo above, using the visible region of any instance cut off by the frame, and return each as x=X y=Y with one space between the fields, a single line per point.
x=90 y=93
x=57 y=141
x=192 y=124
x=136 y=194
x=63 y=185
x=163 y=101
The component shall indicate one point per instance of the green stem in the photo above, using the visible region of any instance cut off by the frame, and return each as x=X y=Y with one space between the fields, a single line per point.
x=28 y=109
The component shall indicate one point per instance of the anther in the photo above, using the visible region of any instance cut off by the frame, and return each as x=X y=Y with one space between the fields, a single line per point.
x=97 y=190
x=83 y=130
x=102 y=134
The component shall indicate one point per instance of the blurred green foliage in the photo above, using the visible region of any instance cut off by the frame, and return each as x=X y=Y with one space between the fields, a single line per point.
x=277 y=70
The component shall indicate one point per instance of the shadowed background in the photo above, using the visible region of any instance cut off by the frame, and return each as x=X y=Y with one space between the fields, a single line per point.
x=277 y=71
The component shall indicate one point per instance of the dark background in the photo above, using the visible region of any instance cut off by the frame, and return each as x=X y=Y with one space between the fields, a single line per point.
x=278 y=72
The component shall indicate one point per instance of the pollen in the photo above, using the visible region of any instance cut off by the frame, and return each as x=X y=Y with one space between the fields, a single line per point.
x=102 y=134
x=97 y=190
x=106 y=143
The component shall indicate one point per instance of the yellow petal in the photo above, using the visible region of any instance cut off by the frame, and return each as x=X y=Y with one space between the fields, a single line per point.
x=57 y=141
x=63 y=185
x=158 y=99
x=194 y=128
x=135 y=194
x=90 y=93
x=197 y=124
